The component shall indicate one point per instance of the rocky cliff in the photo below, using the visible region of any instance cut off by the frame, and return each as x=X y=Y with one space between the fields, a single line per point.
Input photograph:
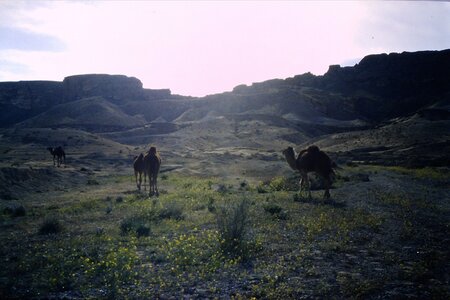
x=112 y=87
x=377 y=89
x=25 y=99
x=386 y=86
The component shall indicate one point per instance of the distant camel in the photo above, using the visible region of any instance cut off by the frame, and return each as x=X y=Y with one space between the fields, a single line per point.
x=311 y=160
x=59 y=156
x=152 y=162
x=139 y=169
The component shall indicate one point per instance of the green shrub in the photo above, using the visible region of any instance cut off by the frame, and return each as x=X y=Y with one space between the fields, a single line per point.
x=276 y=211
x=234 y=229
x=92 y=182
x=136 y=225
x=261 y=188
x=143 y=230
x=278 y=184
x=301 y=196
x=171 y=210
x=211 y=206
x=297 y=197
x=272 y=208
x=50 y=226
x=19 y=211
x=127 y=225
x=15 y=210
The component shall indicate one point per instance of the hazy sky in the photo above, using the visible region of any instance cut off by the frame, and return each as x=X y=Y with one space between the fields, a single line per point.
x=206 y=47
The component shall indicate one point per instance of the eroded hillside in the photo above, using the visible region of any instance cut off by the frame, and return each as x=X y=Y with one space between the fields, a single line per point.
x=373 y=98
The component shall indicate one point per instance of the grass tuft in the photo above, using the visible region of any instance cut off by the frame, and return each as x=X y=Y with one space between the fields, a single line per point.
x=50 y=226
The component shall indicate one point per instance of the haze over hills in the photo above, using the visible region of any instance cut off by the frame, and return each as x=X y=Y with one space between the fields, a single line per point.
x=390 y=109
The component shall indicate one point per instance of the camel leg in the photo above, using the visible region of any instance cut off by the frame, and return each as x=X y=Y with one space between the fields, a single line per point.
x=308 y=187
x=156 y=186
x=136 y=179
x=145 y=179
x=301 y=184
x=304 y=184
x=327 y=195
x=150 y=182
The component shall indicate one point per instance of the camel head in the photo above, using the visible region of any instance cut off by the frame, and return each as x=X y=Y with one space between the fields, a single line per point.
x=152 y=150
x=289 y=154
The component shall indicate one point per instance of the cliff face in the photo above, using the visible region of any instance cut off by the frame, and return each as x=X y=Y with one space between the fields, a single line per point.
x=386 y=86
x=25 y=99
x=112 y=87
x=379 y=88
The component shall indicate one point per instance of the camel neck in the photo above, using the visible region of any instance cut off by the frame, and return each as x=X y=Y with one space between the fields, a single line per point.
x=291 y=161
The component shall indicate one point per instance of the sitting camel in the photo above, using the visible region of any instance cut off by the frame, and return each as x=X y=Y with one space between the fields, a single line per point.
x=152 y=162
x=311 y=160
x=58 y=154
x=139 y=169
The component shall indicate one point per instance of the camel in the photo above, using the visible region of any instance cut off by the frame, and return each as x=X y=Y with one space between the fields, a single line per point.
x=152 y=162
x=59 y=156
x=139 y=169
x=311 y=160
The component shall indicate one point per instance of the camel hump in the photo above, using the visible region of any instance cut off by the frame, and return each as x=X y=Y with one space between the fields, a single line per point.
x=313 y=149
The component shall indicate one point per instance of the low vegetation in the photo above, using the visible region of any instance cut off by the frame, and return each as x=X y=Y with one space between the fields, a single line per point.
x=199 y=240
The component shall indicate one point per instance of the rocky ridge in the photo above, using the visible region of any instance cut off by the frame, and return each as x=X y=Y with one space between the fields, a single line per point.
x=384 y=93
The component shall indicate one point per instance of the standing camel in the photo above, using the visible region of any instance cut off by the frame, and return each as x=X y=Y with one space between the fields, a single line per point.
x=59 y=156
x=139 y=169
x=311 y=160
x=152 y=162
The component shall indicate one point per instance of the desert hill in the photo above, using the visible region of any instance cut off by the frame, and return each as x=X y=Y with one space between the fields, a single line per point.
x=92 y=114
x=382 y=93
x=230 y=220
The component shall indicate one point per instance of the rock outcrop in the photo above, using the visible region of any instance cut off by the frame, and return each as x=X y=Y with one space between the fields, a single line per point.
x=385 y=86
x=377 y=89
x=22 y=100
x=111 y=87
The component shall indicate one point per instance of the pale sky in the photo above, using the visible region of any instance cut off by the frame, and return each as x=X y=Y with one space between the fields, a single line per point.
x=205 y=47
